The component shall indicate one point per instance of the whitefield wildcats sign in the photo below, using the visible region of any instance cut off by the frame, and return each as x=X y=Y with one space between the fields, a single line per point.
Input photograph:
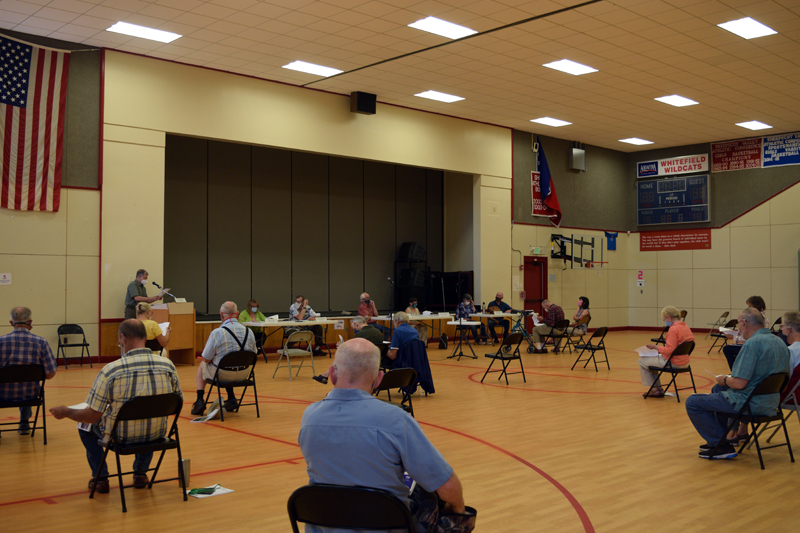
x=675 y=165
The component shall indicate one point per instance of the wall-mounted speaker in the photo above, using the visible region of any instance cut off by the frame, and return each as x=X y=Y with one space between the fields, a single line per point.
x=363 y=103
x=577 y=157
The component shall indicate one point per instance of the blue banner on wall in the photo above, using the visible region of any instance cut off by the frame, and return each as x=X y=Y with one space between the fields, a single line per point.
x=782 y=150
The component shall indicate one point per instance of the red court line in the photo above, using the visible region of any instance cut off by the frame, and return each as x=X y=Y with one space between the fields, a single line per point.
x=587 y=523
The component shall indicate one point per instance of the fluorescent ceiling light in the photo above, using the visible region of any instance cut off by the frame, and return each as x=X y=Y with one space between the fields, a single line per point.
x=442 y=27
x=570 y=67
x=144 y=32
x=311 y=68
x=547 y=121
x=441 y=97
x=677 y=101
x=754 y=125
x=634 y=140
x=747 y=28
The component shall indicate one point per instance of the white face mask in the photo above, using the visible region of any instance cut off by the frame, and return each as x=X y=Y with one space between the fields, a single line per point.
x=254 y=309
x=144 y=281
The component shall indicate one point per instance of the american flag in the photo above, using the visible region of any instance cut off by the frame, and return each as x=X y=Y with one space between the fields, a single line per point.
x=33 y=90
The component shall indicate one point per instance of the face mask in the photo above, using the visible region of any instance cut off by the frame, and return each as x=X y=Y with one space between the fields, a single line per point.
x=498 y=299
x=414 y=305
x=367 y=301
x=668 y=322
x=144 y=282
x=254 y=310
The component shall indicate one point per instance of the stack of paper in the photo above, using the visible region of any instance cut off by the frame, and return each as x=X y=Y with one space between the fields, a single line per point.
x=644 y=351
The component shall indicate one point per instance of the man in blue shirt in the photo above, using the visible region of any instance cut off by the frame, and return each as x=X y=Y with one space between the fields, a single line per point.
x=403 y=333
x=352 y=438
x=762 y=354
x=498 y=305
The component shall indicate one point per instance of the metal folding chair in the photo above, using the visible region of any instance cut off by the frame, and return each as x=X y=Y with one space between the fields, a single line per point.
x=595 y=344
x=506 y=356
x=685 y=348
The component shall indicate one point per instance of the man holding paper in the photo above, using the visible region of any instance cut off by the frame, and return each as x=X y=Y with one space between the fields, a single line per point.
x=137 y=292
x=762 y=355
x=677 y=334
x=138 y=373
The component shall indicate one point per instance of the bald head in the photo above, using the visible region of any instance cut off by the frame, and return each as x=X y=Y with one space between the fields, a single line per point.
x=356 y=365
x=20 y=314
x=228 y=309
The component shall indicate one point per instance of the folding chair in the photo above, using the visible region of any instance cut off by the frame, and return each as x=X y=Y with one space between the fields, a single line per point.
x=599 y=335
x=720 y=321
x=154 y=346
x=776 y=327
x=505 y=357
x=25 y=374
x=143 y=408
x=790 y=403
x=232 y=362
x=685 y=348
x=662 y=339
x=683 y=315
x=297 y=337
x=772 y=384
x=560 y=325
x=730 y=324
x=63 y=342
x=578 y=332
x=399 y=378
x=337 y=506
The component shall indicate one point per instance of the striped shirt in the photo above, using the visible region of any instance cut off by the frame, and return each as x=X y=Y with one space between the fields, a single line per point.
x=220 y=342
x=138 y=373
x=21 y=347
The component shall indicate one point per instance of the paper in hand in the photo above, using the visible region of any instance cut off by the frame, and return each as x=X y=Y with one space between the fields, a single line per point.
x=644 y=351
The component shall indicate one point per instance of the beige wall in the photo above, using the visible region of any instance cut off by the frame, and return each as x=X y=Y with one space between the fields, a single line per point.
x=492 y=237
x=53 y=261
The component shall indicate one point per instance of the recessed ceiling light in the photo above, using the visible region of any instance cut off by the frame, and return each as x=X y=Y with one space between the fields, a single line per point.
x=441 y=97
x=636 y=141
x=311 y=68
x=570 y=67
x=747 y=28
x=144 y=32
x=754 y=125
x=442 y=27
x=547 y=121
x=677 y=101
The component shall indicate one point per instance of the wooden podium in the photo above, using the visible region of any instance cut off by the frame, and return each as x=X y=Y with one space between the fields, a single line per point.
x=181 y=318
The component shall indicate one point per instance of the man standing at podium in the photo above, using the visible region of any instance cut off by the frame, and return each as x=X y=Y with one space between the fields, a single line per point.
x=138 y=293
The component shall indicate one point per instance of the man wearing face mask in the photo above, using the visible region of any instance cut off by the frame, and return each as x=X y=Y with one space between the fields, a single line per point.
x=300 y=310
x=677 y=334
x=368 y=309
x=138 y=293
x=498 y=305
x=139 y=372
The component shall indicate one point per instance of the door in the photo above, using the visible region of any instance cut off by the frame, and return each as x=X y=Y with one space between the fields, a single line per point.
x=535 y=272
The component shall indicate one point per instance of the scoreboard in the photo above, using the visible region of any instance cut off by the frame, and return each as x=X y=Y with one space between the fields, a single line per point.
x=673 y=201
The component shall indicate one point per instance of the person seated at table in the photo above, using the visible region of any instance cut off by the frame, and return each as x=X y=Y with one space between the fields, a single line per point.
x=145 y=314
x=463 y=312
x=582 y=312
x=677 y=334
x=554 y=314
x=252 y=313
x=422 y=329
x=301 y=311
x=790 y=327
x=362 y=330
x=368 y=309
x=497 y=305
x=730 y=351
x=403 y=333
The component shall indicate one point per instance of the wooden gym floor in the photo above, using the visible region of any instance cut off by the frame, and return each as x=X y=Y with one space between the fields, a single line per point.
x=567 y=451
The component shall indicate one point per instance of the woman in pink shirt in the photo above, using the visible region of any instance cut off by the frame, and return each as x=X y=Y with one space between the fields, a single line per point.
x=678 y=333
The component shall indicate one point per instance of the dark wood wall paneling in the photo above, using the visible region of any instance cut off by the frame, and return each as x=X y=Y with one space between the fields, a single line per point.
x=271 y=223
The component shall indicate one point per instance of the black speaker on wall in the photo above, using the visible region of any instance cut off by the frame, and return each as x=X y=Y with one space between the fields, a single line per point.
x=412 y=251
x=363 y=103
x=412 y=277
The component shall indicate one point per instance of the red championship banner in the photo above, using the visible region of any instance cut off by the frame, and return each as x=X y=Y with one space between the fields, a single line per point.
x=679 y=239
x=539 y=209
x=736 y=155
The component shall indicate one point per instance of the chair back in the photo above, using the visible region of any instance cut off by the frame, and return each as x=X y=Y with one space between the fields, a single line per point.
x=776 y=325
x=155 y=406
x=683 y=315
x=772 y=384
x=513 y=340
x=153 y=345
x=300 y=336
x=397 y=379
x=561 y=324
x=70 y=329
x=337 y=506
x=585 y=319
x=723 y=316
x=732 y=324
x=599 y=333
x=22 y=373
x=685 y=348
x=238 y=359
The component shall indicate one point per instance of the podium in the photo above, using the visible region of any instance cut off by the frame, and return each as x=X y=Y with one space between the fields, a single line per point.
x=181 y=318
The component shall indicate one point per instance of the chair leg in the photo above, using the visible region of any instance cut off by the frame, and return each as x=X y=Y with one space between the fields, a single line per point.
x=487 y=370
x=255 y=393
x=121 y=484
x=155 y=470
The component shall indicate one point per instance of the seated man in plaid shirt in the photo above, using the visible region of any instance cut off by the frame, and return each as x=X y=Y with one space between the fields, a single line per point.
x=139 y=372
x=21 y=347
x=554 y=314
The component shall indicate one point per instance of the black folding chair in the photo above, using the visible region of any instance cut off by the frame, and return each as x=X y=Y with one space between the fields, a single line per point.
x=685 y=348
x=595 y=344
x=772 y=384
x=154 y=346
x=559 y=326
x=791 y=404
x=718 y=335
x=233 y=362
x=25 y=374
x=337 y=506
x=776 y=326
x=513 y=341
x=578 y=332
x=400 y=378
x=142 y=408
x=662 y=339
x=63 y=342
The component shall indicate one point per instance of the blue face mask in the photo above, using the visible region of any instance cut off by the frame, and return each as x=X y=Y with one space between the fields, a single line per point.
x=414 y=305
x=254 y=310
x=668 y=322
